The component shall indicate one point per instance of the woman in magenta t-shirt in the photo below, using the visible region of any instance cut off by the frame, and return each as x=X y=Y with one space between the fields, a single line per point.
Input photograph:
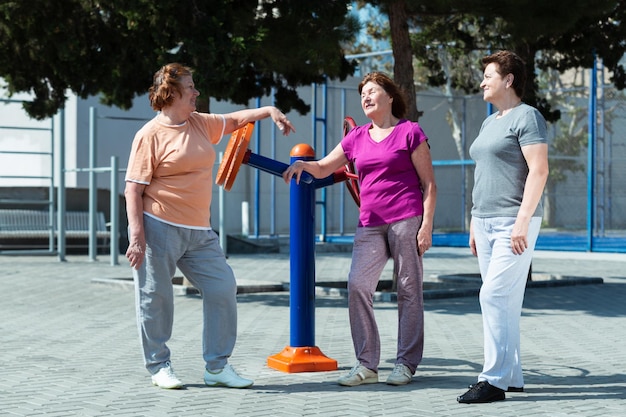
x=398 y=195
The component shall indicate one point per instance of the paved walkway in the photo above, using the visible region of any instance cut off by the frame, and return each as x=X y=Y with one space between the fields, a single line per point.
x=69 y=346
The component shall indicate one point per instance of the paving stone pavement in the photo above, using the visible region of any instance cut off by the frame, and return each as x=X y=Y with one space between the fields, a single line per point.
x=69 y=345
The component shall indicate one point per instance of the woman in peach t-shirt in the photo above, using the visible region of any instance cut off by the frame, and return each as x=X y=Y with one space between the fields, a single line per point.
x=168 y=199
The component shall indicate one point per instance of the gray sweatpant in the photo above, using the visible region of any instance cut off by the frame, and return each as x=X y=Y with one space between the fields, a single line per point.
x=373 y=246
x=200 y=258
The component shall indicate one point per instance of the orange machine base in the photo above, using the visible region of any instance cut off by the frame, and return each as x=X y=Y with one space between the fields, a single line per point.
x=301 y=359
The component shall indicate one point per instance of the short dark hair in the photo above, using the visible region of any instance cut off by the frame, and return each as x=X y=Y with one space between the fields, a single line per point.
x=166 y=84
x=398 y=105
x=508 y=62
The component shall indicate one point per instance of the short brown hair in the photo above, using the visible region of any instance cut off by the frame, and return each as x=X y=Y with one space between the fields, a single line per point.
x=508 y=62
x=398 y=105
x=166 y=84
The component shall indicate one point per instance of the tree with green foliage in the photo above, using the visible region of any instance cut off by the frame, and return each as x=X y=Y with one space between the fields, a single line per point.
x=559 y=34
x=552 y=39
x=449 y=37
x=239 y=49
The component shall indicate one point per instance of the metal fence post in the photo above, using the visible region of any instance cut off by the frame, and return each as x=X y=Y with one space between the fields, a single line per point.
x=93 y=188
x=115 y=213
x=61 y=206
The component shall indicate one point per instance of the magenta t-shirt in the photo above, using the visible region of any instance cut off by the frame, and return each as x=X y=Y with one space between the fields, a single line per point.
x=390 y=187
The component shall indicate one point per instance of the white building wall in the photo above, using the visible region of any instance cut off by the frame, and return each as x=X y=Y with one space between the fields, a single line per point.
x=115 y=129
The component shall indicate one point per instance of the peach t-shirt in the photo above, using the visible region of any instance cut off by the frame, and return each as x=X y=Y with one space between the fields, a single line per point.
x=176 y=165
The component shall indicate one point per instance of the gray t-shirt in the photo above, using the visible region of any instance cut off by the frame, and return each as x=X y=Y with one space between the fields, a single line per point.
x=501 y=168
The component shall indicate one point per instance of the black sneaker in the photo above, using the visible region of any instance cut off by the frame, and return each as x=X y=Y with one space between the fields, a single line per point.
x=509 y=389
x=482 y=392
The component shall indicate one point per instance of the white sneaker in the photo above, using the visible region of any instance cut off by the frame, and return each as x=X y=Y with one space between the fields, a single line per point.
x=401 y=375
x=227 y=377
x=357 y=376
x=166 y=378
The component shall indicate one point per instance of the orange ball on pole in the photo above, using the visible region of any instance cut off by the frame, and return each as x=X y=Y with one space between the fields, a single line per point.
x=302 y=150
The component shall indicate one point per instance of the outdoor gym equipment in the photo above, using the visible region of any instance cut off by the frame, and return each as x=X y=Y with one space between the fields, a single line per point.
x=301 y=355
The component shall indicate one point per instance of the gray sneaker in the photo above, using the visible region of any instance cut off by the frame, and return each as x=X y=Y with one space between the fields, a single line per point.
x=357 y=376
x=401 y=375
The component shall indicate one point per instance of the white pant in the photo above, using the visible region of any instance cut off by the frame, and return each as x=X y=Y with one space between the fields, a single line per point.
x=504 y=276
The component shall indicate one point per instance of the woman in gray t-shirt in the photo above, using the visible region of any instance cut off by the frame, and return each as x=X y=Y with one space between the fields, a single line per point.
x=511 y=155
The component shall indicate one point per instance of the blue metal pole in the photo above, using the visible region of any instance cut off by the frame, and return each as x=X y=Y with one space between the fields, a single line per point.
x=463 y=170
x=257 y=181
x=591 y=146
x=342 y=200
x=302 y=355
x=324 y=193
x=302 y=263
x=273 y=180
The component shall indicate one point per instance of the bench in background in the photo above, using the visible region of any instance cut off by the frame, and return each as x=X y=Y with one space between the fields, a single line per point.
x=24 y=224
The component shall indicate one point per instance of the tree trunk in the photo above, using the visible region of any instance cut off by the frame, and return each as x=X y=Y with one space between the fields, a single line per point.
x=403 y=55
x=527 y=53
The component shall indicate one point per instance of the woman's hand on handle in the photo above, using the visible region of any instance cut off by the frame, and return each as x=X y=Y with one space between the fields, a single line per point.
x=294 y=169
x=318 y=169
